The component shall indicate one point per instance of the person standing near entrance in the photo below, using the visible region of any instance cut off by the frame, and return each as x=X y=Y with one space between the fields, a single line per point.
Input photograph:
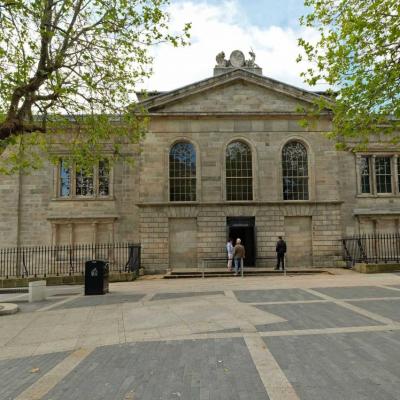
x=280 y=253
x=238 y=256
x=229 y=249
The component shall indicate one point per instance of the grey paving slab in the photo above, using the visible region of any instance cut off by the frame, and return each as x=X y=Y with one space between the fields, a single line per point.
x=185 y=370
x=18 y=374
x=101 y=300
x=229 y=330
x=357 y=292
x=362 y=366
x=313 y=316
x=263 y=296
x=27 y=307
x=386 y=308
x=170 y=296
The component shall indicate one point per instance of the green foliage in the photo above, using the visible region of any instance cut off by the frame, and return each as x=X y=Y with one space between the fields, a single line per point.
x=72 y=66
x=358 y=54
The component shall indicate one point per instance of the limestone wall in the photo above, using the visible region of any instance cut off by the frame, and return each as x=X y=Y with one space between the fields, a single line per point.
x=324 y=219
x=367 y=213
x=210 y=138
x=46 y=219
x=9 y=195
x=240 y=97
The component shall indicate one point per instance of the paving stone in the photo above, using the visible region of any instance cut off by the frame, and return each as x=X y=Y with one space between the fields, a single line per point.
x=185 y=370
x=263 y=296
x=362 y=366
x=312 y=316
x=230 y=330
x=386 y=308
x=169 y=296
x=357 y=292
x=105 y=299
x=27 y=307
x=18 y=374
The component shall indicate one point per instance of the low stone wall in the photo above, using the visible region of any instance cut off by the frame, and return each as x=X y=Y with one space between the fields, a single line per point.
x=375 y=268
x=63 y=280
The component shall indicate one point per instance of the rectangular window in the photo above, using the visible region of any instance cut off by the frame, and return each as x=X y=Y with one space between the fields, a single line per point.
x=383 y=175
x=65 y=179
x=104 y=178
x=365 y=174
x=84 y=183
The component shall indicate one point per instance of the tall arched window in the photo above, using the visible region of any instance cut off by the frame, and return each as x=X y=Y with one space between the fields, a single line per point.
x=182 y=172
x=295 y=171
x=239 y=172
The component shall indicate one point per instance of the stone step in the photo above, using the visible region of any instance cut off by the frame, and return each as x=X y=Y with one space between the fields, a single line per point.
x=254 y=272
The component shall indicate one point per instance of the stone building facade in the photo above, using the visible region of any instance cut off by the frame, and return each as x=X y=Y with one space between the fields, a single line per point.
x=223 y=157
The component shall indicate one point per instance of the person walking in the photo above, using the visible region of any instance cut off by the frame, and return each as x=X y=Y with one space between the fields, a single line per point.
x=280 y=253
x=238 y=256
x=229 y=249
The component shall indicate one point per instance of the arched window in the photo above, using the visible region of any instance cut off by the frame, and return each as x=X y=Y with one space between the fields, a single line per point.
x=182 y=172
x=239 y=172
x=295 y=171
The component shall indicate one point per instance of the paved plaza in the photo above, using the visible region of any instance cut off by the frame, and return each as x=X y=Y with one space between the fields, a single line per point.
x=319 y=337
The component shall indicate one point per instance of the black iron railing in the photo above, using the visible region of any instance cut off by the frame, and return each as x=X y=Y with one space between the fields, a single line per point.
x=67 y=260
x=372 y=248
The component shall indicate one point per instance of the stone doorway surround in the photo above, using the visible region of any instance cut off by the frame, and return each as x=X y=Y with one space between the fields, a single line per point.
x=244 y=228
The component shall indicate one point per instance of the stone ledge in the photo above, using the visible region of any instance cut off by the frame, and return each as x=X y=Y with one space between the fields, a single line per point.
x=364 y=268
x=63 y=280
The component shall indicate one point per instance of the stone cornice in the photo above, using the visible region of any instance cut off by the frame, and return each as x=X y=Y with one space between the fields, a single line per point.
x=241 y=203
x=237 y=115
x=82 y=218
x=372 y=212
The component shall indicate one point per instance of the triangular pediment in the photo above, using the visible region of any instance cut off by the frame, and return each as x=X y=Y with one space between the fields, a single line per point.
x=238 y=91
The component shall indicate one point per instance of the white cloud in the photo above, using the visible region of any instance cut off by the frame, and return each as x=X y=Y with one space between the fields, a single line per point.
x=224 y=27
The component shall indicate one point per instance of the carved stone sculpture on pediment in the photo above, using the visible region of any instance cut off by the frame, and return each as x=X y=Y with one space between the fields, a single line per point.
x=221 y=61
x=252 y=62
x=236 y=60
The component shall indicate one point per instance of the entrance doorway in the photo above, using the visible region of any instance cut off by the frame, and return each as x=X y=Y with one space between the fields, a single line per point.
x=243 y=228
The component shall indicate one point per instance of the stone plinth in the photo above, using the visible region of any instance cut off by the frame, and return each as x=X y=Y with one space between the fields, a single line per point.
x=37 y=291
x=224 y=70
x=364 y=268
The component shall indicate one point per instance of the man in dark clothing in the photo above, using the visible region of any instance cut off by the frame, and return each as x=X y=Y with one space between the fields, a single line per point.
x=280 y=253
x=238 y=256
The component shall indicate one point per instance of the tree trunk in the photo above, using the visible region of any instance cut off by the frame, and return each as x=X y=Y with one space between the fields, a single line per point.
x=12 y=126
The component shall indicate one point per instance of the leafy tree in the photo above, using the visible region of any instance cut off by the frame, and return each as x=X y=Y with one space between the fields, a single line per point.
x=72 y=66
x=358 y=54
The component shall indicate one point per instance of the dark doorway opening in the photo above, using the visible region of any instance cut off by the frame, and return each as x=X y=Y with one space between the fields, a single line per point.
x=244 y=228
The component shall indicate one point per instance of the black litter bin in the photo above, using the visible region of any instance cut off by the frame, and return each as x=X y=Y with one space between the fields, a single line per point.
x=96 y=277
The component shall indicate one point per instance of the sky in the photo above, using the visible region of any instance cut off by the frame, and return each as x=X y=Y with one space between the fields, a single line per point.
x=269 y=27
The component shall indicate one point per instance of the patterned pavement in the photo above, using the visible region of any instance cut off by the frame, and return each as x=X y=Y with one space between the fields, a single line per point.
x=231 y=338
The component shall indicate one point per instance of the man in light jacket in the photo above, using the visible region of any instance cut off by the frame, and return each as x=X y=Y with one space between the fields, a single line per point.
x=229 y=249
